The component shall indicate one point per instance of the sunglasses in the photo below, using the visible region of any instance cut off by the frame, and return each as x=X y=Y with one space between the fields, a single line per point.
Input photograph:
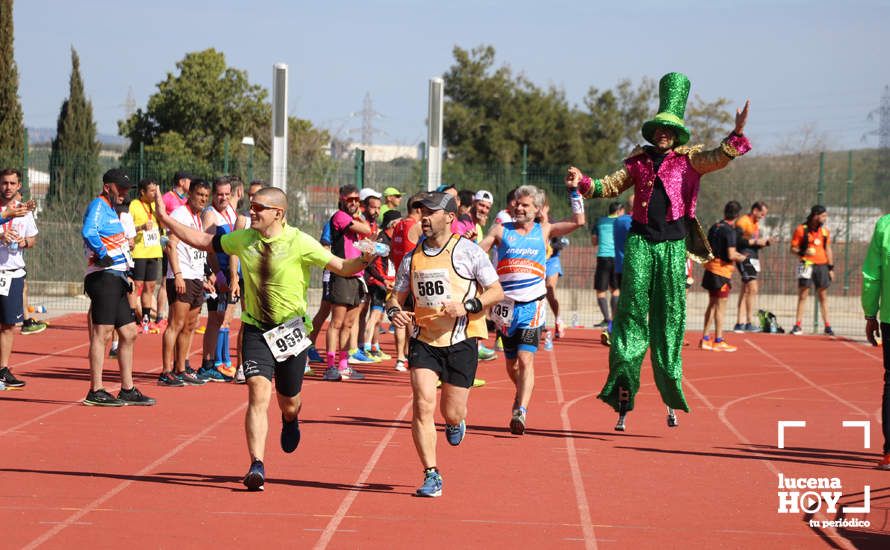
x=259 y=207
x=351 y=199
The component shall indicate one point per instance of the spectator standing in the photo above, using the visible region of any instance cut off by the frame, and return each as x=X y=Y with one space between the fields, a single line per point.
x=811 y=242
x=750 y=242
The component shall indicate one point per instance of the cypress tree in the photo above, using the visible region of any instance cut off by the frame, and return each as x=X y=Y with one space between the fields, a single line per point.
x=11 y=126
x=74 y=161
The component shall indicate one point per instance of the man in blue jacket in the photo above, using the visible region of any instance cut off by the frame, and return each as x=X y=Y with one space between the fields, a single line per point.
x=107 y=284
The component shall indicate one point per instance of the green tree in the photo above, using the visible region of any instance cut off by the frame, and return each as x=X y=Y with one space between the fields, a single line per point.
x=74 y=160
x=490 y=115
x=709 y=121
x=11 y=126
x=188 y=121
x=205 y=103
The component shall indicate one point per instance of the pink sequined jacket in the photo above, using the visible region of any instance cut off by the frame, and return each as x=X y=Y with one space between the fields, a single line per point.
x=680 y=171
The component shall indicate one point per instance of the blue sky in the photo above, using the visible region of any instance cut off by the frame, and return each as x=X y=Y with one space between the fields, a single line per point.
x=814 y=64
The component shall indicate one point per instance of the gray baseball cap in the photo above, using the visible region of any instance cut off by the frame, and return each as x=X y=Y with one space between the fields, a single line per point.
x=436 y=201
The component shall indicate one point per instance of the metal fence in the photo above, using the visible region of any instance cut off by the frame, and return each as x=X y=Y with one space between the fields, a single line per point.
x=848 y=183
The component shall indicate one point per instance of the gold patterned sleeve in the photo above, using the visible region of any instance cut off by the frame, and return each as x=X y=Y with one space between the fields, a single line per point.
x=715 y=159
x=609 y=186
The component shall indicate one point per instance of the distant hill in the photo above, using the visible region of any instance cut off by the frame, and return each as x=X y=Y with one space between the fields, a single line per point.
x=42 y=136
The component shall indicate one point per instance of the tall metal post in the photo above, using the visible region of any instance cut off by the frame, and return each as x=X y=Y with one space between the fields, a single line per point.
x=141 y=160
x=226 y=156
x=25 y=152
x=820 y=199
x=849 y=206
x=524 y=163
x=360 y=168
x=279 y=126
x=434 y=134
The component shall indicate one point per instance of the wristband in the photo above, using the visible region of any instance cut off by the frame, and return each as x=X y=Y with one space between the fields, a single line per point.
x=392 y=312
x=175 y=273
x=473 y=305
x=830 y=267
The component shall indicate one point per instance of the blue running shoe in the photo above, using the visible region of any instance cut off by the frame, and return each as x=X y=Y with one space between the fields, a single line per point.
x=255 y=479
x=290 y=434
x=210 y=374
x=454 y=433
x=432 y=485
x=361 y=358
x=314 y=356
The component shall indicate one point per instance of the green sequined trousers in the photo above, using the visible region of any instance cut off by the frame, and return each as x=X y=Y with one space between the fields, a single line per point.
x=651 y=312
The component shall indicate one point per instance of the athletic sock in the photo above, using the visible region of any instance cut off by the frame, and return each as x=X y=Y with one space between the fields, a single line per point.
x=365 y=347
x=227 y=358
x=718 y=340
x=332 y=359
x=375 y=347
x=614 y=303
x=706 y=338
x=220 y=341
x=604 y=307
x=343 y=362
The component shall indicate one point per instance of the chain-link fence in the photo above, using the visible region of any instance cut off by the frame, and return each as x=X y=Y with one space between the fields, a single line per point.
x=848 y=183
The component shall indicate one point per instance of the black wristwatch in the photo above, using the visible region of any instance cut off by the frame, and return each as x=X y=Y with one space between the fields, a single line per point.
x=392 y=312
x=473 y=305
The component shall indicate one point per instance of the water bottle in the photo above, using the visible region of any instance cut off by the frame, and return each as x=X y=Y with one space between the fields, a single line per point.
x=373 y=247
x=548 y=340
x=13 y=247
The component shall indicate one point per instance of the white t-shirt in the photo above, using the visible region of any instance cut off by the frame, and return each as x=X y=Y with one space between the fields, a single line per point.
x=469 y=261
x=14 y=261
x=191 y=260
x=503 y=217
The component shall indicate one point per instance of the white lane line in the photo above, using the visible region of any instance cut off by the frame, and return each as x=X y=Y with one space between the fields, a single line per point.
x=794 y=371
x=572 y=453
x=113 y=388
x=74 y=518
x=862 y=351
x=350 y=497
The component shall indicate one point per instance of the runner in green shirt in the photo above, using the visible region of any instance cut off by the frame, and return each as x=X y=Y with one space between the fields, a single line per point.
x=275 y=260
x=876 y=306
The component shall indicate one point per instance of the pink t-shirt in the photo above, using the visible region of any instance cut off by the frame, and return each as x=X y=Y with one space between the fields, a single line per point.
x=172 y=201
x=459 y=227
x=343 y=238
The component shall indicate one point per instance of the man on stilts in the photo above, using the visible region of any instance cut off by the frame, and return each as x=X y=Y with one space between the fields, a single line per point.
x=652 y=308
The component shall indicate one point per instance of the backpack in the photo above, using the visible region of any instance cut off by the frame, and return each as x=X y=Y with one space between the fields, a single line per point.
x=769 y=323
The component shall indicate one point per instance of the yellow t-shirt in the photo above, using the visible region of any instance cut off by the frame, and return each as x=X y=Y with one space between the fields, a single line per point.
x=140 y=213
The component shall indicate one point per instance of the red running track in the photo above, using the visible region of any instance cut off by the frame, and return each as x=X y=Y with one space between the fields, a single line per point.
x=169 y=475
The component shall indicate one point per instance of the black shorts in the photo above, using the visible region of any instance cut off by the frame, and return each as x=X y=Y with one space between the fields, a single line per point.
x=108 y=299
x=820 y=278
x=194 y=293
x=604 y=278
x=716 y=285
x=455 y=365
x=346 y=291
x=164 y=265
x=378 y=296
x=524 y=339
x=258 y=361
x=220 y=303
x=11 y=306
x=746 y=270
x=146 y=269
x=618 y=280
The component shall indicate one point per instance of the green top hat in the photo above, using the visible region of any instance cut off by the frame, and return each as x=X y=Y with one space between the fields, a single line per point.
x=673 y=91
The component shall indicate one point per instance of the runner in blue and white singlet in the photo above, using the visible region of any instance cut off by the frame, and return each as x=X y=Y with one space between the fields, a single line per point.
x=521 y=267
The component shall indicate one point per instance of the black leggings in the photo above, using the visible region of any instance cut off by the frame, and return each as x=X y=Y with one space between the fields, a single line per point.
x=885 y=404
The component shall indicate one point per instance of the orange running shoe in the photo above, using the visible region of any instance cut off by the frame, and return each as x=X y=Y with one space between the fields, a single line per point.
x=884 y=463
x=706 y=345
x=226 y=369
x=724 y=346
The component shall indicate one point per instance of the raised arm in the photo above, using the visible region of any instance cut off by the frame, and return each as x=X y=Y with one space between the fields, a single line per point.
x=348 y=268
x=191 y=237
x=609 y=186
x=493 y=237
x=733 y=146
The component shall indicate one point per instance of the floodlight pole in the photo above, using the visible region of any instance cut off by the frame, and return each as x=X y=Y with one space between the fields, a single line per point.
x=434 y=134
x=279 y=126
